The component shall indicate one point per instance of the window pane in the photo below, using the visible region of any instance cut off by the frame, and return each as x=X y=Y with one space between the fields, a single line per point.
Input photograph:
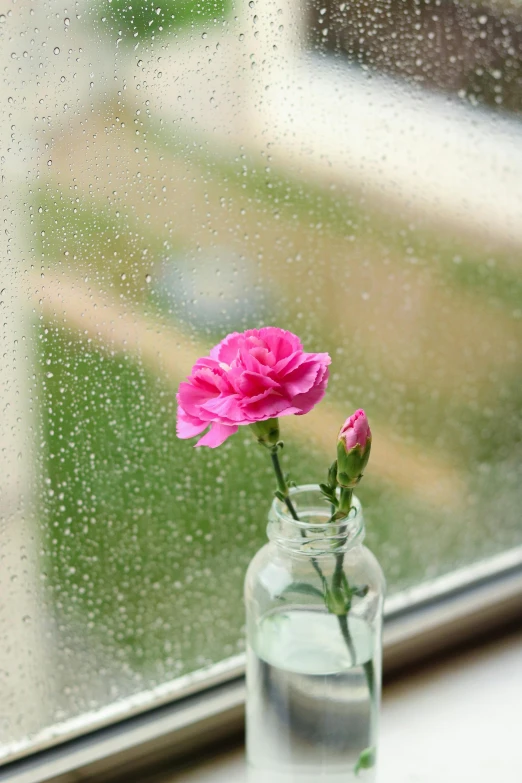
x=177 y=171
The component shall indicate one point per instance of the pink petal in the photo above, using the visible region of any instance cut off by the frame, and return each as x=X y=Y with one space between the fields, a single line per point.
x=280 y=342
x=211 y=378
x=305 y=402
x=267 y=406
x=188 y=426
x=206 y=384
x=217 y=434
x=350 y=439
x=226 y=408
x=227 y=350
x=289 y=363
x=355 y=430
x=286 y=366
x=251 y=384
x=246 y=360
x=301 y=379
x=205 y=361
x=237 y=373
x=192 y=399
x=264 y=356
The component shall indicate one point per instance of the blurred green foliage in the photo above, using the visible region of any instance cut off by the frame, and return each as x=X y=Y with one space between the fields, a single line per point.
x=142 y=19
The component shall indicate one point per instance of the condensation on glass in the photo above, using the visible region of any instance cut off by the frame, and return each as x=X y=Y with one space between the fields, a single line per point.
x=172 y=172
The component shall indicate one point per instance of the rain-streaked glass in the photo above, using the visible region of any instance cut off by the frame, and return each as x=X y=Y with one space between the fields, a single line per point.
x=175 y=171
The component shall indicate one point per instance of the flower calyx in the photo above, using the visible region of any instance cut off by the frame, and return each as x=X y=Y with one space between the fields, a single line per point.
x=267 y=433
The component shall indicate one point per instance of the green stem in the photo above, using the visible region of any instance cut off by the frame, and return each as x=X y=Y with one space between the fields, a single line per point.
x=281 y=483
x=339 y=579
x=343 y=625
x=283 y=488
x=345 y=501
x=345 y=504
x=370 y=676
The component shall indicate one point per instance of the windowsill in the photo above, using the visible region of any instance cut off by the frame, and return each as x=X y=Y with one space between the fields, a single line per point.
x=457 y=720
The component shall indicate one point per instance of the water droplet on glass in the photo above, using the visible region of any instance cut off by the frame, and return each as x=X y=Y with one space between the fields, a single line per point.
x=56 y=50
x=67 y=21
x=148 y=278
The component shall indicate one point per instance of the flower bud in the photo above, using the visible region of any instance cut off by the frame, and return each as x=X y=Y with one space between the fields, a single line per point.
x=353 y=449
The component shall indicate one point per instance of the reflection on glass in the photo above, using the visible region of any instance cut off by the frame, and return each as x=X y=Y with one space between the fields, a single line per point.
x=174 y=172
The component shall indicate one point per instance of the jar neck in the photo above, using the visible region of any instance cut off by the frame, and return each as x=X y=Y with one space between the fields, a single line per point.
x=313 y=534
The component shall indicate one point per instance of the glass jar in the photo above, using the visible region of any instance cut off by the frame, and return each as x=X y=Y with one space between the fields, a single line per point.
x=314 y=601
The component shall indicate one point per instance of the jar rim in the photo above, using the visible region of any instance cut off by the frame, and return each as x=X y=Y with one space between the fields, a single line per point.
x=315 y=534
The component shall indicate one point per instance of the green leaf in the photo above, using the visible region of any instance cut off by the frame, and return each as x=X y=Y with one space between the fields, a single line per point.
x=279 y=495
x=304 y=588
x=327 y=492
x=366 y=760
x=332 y=475
x=360 y=592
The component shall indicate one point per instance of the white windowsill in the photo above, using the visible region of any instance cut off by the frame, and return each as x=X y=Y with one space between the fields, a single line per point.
x=455 y=721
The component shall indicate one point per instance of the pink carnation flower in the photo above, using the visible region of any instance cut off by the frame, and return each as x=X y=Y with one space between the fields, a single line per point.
x=249 y=377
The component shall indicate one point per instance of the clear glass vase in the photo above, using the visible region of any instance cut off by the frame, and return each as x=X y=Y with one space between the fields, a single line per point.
x=314 y=600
